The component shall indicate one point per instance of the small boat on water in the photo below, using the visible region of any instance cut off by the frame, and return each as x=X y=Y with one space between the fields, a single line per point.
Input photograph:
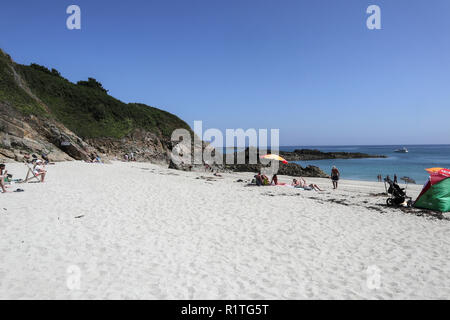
x=402 y=150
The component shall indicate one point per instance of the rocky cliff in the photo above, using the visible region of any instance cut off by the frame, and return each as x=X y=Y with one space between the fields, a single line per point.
x=41 y=112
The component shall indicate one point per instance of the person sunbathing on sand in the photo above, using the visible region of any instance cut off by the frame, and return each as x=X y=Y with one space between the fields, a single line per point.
x=301 y=183
x=39 y=170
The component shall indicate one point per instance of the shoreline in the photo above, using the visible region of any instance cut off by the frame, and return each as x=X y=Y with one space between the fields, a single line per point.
x=401 y=183
x=225 y=171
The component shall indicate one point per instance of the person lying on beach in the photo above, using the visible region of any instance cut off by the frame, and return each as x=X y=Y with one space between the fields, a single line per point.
x=3 y=175
x=301 y=183
x=39 y=170
x=275 y=181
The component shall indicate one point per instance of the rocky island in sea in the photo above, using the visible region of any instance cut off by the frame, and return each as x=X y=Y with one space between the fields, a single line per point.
x=294 y=169
x=314 y=154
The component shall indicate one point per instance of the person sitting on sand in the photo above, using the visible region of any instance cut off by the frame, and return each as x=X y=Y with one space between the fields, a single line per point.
x=39 y=170
x=259 y=179
x=3 y=175
x=274 y=180
x=96 y=158
x=45 y=158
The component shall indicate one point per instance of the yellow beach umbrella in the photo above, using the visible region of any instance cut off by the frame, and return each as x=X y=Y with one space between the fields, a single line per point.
x=274 y=157
x=434 y=170
x=439 y=171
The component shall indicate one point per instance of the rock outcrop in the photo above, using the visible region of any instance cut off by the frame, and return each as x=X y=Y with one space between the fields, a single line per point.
x=308 y=155
x=289 y=169
x=21 y=135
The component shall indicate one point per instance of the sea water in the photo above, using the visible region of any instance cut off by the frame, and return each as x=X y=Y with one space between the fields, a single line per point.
x=411 y=164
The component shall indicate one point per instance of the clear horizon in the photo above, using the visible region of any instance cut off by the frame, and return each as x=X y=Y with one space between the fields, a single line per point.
x=309 y=68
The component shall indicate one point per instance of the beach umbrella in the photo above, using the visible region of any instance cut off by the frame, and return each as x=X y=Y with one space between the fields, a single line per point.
x=274 y=157
x=439 y=171
x=434 y=170
x=444 y=172
x=408 y=180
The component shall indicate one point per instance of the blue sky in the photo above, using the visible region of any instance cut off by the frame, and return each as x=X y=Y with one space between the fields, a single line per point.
x=309 y=68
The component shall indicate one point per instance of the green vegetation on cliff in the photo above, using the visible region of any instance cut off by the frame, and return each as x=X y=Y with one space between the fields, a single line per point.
x=12 y=93
x=85 y=107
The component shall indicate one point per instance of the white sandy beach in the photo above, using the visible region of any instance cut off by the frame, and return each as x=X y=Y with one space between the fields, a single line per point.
x=141 y=231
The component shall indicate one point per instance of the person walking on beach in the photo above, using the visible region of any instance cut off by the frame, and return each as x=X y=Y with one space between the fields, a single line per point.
x=335 y=174
x=395 y=178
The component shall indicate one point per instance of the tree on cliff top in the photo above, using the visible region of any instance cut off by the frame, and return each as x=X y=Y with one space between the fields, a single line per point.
x=92 y=83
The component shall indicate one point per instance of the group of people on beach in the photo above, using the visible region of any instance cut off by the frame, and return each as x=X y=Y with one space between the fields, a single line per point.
x=263 y=180
x=37 y=170
x=129 y=157
x=380 y=178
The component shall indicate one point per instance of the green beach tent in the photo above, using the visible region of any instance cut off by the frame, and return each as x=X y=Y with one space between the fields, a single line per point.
x=436 y=192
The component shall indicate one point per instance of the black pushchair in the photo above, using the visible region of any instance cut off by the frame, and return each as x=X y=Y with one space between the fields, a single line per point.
x=397 y=195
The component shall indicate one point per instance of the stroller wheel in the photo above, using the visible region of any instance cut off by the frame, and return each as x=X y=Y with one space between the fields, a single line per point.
x=389 y=202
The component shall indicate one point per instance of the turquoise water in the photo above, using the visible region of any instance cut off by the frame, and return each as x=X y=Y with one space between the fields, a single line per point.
x=412 y=164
